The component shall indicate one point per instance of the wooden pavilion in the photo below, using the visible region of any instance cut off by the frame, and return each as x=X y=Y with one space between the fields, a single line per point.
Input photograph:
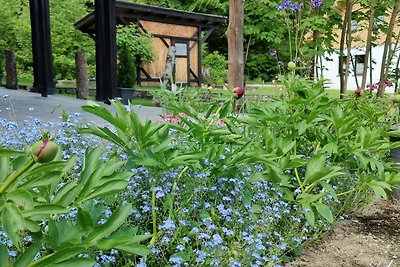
x=187 y=31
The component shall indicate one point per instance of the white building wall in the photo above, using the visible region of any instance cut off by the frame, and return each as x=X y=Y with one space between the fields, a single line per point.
x=331 y=68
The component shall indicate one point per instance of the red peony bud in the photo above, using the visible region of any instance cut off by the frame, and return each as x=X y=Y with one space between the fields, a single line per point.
x=358 y=91
x=239 y=92
x=44 y=151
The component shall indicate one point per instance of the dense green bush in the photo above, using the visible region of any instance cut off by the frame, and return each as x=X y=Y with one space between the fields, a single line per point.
x=217 y=67
x=134 y=48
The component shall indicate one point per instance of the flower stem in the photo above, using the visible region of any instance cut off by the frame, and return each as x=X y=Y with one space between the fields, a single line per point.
x=153 y=212
x=347 y=192
x=174 y=189
x=8 y=182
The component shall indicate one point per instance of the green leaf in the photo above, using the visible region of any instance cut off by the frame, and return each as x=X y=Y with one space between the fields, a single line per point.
x=12 y=221
x=114 y=221
x=11 y=153
x=108 y=188
x=58 y=256
x=22 y=198
x=77 y=262
x=256 y=208
x=114 y=241
x=182 y=255
x=309 y=214
x=135 y=249
x=105 y=114
x=84 y=220
x=63 y=190
x=4 y=258
x=203 y=214
x=4 y=168
x=45 y=209
x=330 y=148
x=328 y=188
x=302 y=127
x=324 y=211
x=29 y=254
x=314 y=165
x=247 y=197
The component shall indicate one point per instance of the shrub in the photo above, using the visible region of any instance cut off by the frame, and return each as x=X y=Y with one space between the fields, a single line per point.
x=134 y=48
x=217 y=66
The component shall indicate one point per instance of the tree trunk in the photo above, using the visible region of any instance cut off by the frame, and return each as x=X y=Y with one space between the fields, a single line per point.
x=368 y=47
x=341 y=49
x=235 y=44
x=388 y=41
x=167 y=78
x=348 y=43
x=397 y=74
x=353 y=65
x=82 y=81
x=11 y=70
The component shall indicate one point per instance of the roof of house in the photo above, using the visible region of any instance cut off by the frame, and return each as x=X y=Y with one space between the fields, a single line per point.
x=127 y=12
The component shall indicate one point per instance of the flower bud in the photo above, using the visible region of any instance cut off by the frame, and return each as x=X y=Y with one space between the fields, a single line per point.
x=291 y=65
x=239 y=92
x=44 y=151
x=358 y=91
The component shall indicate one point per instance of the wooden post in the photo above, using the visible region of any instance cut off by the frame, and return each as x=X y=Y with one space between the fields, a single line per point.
x=11 y=70
x=82 y=81
x=106 y=50
x=41 y=47
x=235 y=44
x=169 y=68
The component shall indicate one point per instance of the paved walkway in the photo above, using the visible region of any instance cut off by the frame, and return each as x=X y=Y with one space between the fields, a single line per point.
x=17 y=105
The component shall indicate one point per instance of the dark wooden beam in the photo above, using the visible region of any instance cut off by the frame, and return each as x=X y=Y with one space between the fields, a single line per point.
x=41 y=47
x=106 y=50
x=199 y=61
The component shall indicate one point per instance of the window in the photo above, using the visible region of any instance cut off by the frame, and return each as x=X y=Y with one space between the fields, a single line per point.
x=181 y=49
x=354 y=25
x=359 y=64
x=378 y=22
x=344 y=64
x=357 y=61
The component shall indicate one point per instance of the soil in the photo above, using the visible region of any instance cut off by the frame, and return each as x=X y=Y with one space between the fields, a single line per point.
x=370 y=237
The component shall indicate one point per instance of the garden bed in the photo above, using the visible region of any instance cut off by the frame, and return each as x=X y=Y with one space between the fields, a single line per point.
x=369 y=237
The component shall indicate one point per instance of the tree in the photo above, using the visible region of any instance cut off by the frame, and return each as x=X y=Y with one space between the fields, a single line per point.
x=388 y=42
x=235 y=44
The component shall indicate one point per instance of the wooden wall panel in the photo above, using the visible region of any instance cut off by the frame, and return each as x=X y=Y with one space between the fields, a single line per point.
x=181 y=70
x=168 y=29
x=156 y=68
x=194 y=58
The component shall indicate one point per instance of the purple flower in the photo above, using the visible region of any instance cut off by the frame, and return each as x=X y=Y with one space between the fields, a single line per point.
x=316 y=3
x=293 y=7
x=272 y=53
x=284 y=5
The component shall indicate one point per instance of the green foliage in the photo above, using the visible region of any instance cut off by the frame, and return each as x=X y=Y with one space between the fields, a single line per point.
x=217 y=66
x=321 y=155
x=34 y=195
x=134 y=48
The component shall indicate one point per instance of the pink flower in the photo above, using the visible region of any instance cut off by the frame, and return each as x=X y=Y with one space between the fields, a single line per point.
x=168 y=116
x=373 y=87
x=388 y=82
x=220 y=122
x=160 y=120
x=175 y=120
x=239 y=92
x=183 y=115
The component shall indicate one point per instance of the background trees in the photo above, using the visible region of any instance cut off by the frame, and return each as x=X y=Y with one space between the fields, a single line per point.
x=269 y=33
